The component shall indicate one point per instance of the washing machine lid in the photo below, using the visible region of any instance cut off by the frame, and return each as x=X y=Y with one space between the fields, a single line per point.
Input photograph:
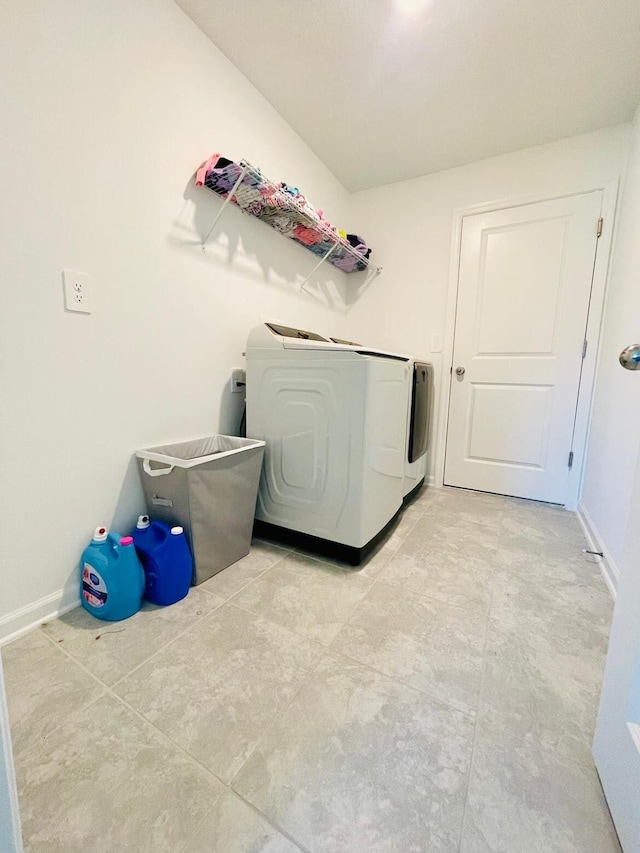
x=342 y=341
x=289 y=332
x=276 y=336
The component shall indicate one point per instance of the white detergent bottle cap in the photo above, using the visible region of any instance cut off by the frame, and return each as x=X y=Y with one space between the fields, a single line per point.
x=100 y=535
x=143 y=522
x=177 y=531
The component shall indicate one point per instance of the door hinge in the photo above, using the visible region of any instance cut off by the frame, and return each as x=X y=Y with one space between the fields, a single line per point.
x=570 y=465
x=584 y=349
x=600 y=224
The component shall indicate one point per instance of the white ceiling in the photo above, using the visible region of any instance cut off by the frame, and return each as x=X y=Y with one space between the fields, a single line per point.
x=384 y=90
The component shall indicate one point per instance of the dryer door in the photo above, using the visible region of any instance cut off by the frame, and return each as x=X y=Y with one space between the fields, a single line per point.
x=421 y=399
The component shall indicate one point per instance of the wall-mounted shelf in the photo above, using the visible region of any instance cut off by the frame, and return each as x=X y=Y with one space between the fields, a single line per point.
x=245 y=186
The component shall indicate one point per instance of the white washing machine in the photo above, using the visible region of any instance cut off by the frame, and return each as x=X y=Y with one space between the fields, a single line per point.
x=334 y=417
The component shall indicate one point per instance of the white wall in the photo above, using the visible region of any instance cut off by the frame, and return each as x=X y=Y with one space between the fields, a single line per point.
x=410 y=226
x=614 y=441
x=107 y=109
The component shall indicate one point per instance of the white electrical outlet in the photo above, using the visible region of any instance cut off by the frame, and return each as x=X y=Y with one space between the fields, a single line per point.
x=77 y=291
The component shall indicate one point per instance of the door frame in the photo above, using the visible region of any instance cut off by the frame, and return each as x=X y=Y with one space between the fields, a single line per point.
x=599 y=290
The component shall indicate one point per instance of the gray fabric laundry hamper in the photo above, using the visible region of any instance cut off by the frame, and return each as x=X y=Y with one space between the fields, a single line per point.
x=209 y=486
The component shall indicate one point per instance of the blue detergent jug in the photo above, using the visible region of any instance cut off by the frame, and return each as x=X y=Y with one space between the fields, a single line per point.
x=111 y=577
x=166 y=559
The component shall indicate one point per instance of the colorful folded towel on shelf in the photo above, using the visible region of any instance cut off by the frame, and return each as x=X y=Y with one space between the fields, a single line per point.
x=285 y=209
x=306 y=236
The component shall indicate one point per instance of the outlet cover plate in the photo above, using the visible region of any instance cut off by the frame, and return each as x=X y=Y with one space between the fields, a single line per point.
x=77 y=291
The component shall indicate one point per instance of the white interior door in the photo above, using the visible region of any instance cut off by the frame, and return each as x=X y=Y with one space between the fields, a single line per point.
x=616 y=747
x=523 y=300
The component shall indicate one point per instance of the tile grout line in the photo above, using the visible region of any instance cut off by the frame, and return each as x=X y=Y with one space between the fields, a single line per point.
x=445 y=705
x=198 y=621
x=432 y=600
x=272 y=544
x=65 y=719
x=164 y=736
x=403 y=539
x=275 y=825
x=463 y=825
x=193 y=760
x=465 y=812
x=248 y=583
x=313 y=641
x=78 y=663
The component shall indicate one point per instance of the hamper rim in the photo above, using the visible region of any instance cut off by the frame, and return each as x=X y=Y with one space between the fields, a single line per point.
x=178 y=462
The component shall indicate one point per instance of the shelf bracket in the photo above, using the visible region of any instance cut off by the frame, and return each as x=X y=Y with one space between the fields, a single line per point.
x=372 y=276
x=230 y=195
x=318 y=265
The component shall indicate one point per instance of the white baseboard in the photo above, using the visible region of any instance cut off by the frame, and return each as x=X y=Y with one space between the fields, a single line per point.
x=608 y=568
x=14 y=624
x=431 y=480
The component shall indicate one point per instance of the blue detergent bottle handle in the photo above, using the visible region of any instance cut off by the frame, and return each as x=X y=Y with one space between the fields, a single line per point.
x=131 y=563
x=149 y=535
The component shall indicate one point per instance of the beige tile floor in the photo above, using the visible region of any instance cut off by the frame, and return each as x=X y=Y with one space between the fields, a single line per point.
x=441 y=698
